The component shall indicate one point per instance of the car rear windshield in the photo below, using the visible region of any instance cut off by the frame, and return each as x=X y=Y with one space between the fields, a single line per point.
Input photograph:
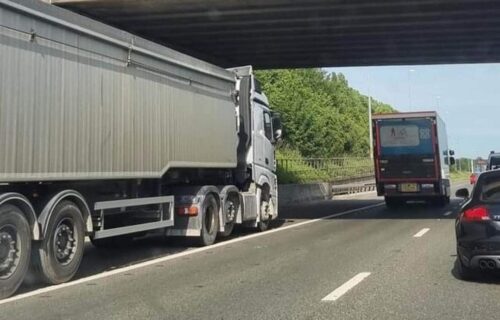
x=490 y=189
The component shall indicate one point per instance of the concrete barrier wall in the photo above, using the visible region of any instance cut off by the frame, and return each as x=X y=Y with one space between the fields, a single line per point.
x=293 y=193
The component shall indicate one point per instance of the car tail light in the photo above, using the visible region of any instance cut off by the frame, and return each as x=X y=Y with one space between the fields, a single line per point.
x=476 y=214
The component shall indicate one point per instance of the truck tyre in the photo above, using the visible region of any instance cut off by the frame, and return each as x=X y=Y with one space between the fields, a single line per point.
x=231 y=206
x=209 y=221
x=58 y=256
x=266 y=208
x=15 y=247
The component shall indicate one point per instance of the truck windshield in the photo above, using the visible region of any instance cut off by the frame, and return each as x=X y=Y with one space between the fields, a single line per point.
x=494 y=162
x=399 y=137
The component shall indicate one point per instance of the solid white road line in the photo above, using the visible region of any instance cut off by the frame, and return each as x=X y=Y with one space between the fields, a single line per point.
x=177 y=255
x=340 y=291
x=354 y=195
x=421 y=233
x=447 y=213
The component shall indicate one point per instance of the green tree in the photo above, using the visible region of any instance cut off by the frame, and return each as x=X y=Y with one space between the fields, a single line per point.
x=322 y=116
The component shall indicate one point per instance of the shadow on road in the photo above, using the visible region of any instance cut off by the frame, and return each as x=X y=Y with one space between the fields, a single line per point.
x=98 y=260
x=143 y=249
x=410 y=210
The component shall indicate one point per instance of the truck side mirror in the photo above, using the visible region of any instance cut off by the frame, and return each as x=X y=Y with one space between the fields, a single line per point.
x=462 y=193
x=452 y=152
x=277 y=126
x=452 y=161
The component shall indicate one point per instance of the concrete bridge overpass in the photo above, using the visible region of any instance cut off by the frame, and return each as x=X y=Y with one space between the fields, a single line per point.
x=315 y=33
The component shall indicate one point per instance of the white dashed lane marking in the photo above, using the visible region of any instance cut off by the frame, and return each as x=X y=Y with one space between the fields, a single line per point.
x=421 y=233
x=340 y=291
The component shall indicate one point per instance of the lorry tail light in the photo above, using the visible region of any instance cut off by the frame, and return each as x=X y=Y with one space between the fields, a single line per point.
x=187 y=210
x=476 y=214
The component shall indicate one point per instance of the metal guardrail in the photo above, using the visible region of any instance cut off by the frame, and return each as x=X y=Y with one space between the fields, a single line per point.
x=334 y=170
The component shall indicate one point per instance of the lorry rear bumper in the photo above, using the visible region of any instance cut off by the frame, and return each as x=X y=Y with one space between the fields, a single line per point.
x=424 y=193
x=424 y=189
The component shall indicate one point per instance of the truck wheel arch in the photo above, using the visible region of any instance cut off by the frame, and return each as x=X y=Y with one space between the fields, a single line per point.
x=70 y=195
x=25 y=206
x=265 y=189
x=264 y=186
x=205 y=191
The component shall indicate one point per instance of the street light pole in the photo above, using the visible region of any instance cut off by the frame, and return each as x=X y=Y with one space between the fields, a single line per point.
x=370 y=128
x=409 y=87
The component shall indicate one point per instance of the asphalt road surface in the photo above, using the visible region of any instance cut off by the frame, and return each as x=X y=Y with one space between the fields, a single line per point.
x=349 y=258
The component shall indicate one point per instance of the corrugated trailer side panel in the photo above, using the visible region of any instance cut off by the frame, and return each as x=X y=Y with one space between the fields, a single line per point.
x=76 y=107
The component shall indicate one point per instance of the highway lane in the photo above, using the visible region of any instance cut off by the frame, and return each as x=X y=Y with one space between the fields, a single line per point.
x=286 y=274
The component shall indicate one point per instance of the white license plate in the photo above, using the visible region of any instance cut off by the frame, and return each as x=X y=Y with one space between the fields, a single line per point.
x=409 y=187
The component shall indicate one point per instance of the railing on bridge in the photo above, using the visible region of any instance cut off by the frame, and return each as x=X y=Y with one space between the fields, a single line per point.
x=334 y=170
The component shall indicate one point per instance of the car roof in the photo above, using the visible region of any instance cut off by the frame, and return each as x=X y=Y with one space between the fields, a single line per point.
x=490 y=173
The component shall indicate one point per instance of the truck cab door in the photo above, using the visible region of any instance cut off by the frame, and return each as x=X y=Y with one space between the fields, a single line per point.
x=263 y=135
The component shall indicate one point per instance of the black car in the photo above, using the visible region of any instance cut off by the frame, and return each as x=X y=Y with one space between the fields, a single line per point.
x=478 y=226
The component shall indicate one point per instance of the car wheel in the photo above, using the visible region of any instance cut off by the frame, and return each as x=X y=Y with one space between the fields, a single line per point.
x=464 y=272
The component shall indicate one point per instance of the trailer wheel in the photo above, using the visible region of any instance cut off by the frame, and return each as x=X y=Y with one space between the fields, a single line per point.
x=231 y=205
x=58 y=256
x=15 y=247
x=209 y=221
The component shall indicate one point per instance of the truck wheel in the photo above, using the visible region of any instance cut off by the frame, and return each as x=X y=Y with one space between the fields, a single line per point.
x=266 y=210
x=209 y=221
x=58 y=256
x=231 y=206
x=15 y=247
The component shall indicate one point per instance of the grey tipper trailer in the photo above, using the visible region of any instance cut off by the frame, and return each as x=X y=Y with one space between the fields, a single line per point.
x=109 y=135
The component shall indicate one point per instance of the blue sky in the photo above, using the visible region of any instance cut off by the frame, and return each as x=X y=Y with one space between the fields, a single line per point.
x=466 y=96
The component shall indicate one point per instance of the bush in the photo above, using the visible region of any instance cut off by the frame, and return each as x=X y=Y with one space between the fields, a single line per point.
x=292 y=168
